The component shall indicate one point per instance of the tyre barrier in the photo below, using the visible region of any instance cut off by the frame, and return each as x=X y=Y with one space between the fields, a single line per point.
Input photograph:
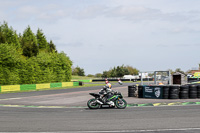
x=81 y=83
x=191 y=91
x=184 y=92
x=198 y=91
x=174 y=92
x=165 y=92
x=132 y=91
x=140 y=91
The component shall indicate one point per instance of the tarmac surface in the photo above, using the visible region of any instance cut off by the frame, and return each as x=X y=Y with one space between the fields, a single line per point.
x=78 y=97
x=65 y=110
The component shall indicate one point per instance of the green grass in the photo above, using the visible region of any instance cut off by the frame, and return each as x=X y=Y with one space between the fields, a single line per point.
x=81 y=77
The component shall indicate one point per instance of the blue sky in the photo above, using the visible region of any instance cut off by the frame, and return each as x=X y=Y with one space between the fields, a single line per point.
x=99 y=34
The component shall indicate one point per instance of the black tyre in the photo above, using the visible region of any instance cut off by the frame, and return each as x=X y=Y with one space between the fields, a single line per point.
x=165 y=90
x=198 y=88
x=183 y=95
x=192 y=87
x=174 y=91
x=192 y=94
x=131 y=89
x=165 y=96
x=174 y=87
x=121 y=103
x=184 y=92
x=165 y=93
x=81 y=83
x=184 y=88
x=140 y=91
x=92 y=104
x=173 y=96
x=131 y=94
x=198 y=94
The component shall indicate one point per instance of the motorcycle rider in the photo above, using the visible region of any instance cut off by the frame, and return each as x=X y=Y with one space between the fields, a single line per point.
x=106 y=93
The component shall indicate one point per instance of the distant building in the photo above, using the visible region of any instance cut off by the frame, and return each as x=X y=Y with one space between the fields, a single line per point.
x=194 y=71
x=131 y=77
x=179 y=78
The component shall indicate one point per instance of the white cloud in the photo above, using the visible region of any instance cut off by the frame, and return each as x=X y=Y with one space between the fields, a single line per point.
x=89 y=12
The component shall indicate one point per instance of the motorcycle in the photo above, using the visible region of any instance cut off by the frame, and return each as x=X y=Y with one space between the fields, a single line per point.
x=98 y=102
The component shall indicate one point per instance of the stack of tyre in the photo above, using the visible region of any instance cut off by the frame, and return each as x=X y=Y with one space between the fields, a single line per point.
x=165 y=92
x=174 y=92
x=198 y=91
x=140 y=91
x=184 y=92
x=132 y=91
x=192 y=91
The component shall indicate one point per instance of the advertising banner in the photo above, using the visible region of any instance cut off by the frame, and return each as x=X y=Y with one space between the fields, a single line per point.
x=153 y=92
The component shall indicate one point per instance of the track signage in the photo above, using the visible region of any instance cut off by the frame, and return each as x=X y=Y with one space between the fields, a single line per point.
x=154 y=92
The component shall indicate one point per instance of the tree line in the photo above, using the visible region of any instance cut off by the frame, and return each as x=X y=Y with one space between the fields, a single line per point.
x=118 y=71
x=29 y=58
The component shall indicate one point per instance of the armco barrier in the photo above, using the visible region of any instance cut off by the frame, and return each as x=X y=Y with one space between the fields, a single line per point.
x=10 y=88
x=28 y=87
x=65 y=84
x=42 y=86
x=53 y=85
x=32 y=87
x=75 y=83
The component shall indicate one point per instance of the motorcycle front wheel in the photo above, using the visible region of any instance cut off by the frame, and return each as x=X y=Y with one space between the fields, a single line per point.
x=92 y=104
x=121 y=103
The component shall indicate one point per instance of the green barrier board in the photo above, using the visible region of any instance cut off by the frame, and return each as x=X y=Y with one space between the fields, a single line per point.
x=0 y=88
x=53 y=85
x=28 y=87
x=75 y=83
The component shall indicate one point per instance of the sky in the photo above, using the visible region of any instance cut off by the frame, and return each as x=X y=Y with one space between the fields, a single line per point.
x=149 y=35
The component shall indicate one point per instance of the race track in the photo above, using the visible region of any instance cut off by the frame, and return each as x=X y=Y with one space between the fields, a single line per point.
x=180 y=119
x=67 y=112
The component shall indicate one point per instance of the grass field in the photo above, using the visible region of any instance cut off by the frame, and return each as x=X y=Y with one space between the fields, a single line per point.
x=81 y=77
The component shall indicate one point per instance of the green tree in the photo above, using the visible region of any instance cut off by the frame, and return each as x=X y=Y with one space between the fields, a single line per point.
x=113 y=72
x=90 y=75
x=41 y=40
x=132 y=70
x=10 y=64
x=106 y=74
x=29 y=43
x=52 y=47
x=9 y=36
x=98 y=75
x=78 y=71
x=42 y=66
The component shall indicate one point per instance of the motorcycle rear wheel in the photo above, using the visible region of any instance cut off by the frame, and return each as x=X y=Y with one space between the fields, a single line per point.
x=92 y=104
x=121 y=103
